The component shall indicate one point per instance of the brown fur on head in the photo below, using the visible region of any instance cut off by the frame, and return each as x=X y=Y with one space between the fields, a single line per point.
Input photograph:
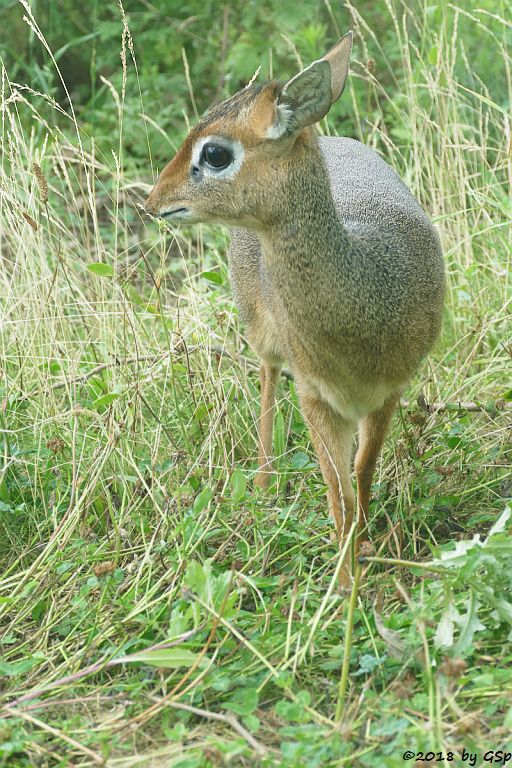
x=234 y=163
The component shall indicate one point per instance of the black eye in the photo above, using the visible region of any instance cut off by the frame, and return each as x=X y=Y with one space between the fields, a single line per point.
x=216 y=156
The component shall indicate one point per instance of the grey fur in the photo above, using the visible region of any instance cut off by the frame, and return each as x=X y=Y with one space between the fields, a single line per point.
x=353 y=265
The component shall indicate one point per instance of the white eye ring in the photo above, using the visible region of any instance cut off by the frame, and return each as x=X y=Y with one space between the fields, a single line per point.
x=233 y=146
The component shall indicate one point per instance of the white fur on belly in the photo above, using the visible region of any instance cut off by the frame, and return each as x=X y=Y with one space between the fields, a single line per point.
x=354 y=405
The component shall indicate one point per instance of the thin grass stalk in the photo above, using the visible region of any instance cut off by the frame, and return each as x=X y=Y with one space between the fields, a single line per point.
x=342 y=688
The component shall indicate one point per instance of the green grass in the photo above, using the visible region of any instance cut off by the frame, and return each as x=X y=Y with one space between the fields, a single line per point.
x=127 y=513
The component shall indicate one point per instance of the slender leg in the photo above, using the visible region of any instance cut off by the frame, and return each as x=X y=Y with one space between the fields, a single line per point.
x=372 y=431
x=269 y=376
x=332 y=437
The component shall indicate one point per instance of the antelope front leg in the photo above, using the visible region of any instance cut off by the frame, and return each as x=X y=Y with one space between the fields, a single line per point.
x=269 y=376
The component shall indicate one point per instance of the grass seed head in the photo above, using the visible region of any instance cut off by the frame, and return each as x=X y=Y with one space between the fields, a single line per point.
x=41 y=182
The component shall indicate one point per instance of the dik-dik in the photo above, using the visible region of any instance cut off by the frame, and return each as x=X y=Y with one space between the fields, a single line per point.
x=335 y=266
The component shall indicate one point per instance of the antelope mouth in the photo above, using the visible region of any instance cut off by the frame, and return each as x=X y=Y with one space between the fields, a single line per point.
x=177 y=213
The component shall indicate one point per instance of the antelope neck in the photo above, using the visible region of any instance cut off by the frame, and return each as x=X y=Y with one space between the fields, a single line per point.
x=306 y=235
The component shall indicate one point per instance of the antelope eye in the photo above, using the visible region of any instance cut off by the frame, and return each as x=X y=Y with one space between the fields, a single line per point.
x=216 y=156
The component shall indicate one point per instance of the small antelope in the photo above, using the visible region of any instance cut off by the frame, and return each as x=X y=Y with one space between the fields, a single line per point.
x=335 y=266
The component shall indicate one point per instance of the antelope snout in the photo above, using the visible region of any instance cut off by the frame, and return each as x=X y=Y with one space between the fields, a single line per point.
x=151 y=204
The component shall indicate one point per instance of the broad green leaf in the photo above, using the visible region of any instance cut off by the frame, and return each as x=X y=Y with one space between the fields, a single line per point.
x=243 y=702
x=177 y=732
x=29 y=587
x=194 y=761
x=458 y=555
x=101 y=269
x=289 y=710
x=469 y=624
x=18 y=667
x=501 y=523
x=393 y=639
x=196 y=577
x=54 y=367
x=238 y=485
x=67 y=565
x=304 y=697
x=367 y=664
x=500 y=545
x=179 y=622
x=299 y=460
x=39 y=609
x=444 y=632
x=104 y=400
x=212 y=589
x=213 y=277
x=252 y=723
x=202 y=499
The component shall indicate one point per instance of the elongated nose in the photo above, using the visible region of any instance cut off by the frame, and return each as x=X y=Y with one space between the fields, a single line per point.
x=151 y=205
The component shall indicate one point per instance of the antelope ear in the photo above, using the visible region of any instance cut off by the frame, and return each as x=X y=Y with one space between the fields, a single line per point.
x=308 y=96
